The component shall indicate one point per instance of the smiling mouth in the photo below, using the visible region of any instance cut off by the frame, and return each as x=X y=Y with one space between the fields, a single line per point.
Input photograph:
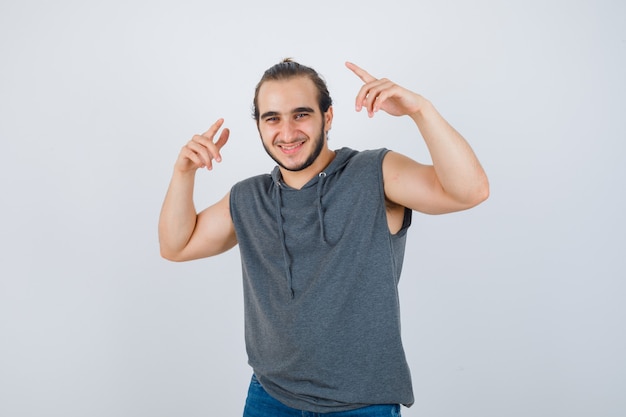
x=291 y=147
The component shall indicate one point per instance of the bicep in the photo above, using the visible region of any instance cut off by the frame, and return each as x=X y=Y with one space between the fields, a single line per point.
x=214 y=232
x=416 y=186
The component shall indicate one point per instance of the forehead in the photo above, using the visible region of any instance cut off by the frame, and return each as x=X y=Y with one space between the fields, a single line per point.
x=276 y=95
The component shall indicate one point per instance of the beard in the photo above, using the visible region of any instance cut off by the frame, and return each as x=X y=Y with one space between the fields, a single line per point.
x=318 y=146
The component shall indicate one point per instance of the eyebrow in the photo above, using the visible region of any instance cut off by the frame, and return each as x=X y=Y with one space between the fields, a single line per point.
x=294 y=111
x=303 y=110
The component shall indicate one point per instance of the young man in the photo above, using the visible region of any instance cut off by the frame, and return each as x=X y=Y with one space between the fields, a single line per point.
x=322 y=241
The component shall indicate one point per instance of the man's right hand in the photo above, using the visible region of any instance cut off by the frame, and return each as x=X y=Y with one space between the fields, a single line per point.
x=185 y=234
x=200 y=151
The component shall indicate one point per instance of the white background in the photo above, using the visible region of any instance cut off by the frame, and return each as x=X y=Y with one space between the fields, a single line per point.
x=515 y=308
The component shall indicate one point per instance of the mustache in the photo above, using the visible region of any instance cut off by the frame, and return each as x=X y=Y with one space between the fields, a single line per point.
x=290 y=142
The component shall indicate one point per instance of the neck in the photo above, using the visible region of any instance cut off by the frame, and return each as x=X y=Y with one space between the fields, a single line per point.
x=297 y=179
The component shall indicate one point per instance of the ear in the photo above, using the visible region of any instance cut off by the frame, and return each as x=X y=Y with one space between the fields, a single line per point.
x=328 y=118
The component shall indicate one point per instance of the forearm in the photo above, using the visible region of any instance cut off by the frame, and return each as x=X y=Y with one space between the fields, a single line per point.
x=178 y=215
x=458 y=170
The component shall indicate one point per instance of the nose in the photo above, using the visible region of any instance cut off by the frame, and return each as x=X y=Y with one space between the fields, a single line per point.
x=288 y=131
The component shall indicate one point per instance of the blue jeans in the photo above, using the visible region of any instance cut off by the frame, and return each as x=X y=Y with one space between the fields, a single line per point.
x=260 y=404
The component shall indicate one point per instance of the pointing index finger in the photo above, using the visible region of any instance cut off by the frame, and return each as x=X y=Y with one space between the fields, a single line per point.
x=360 y=72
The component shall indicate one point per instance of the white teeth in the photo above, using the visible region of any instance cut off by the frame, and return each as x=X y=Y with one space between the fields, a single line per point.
x=290 y=147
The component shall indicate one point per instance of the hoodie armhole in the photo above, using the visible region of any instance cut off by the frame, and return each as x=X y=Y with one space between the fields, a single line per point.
x=406 y=222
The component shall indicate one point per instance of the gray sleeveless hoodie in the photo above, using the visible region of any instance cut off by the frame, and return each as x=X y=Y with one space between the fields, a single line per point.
x=320 y=274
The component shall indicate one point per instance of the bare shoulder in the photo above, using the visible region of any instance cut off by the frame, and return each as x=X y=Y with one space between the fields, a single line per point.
x=218 y=212
x=414 y=185
x=214 y=232
x=403 y=176
x=395 y=164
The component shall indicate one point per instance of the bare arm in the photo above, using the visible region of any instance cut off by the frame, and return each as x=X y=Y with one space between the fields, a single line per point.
x=183 y=233
x=455 y=181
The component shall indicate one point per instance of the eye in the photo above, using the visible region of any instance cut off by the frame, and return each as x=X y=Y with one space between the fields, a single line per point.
x=301 y=116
